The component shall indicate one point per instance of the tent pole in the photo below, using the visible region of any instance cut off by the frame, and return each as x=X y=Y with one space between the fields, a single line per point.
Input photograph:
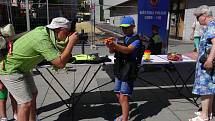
x=47 y=9
x=27 y=15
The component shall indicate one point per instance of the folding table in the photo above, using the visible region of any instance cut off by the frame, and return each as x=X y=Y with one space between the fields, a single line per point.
x=73 y=99
x=169 y=66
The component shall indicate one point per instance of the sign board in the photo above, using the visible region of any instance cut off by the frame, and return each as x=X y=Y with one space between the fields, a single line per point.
x=151 y=14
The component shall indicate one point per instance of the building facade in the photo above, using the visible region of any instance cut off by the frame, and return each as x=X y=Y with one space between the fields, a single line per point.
x=102 y=11
x=181 y=14
x=189 y=18
x=126 y=8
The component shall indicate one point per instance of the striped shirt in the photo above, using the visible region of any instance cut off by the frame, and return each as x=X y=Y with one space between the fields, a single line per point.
x=29 y=50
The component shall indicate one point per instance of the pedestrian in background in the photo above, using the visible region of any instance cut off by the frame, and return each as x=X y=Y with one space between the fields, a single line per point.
x=5 y=33
x=3 y=102
x=204 y=84
x=196 y=34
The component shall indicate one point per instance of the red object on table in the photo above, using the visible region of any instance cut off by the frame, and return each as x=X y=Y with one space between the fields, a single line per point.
x=174 y=57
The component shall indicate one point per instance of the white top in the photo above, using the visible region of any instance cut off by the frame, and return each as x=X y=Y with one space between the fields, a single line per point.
x=198 y=29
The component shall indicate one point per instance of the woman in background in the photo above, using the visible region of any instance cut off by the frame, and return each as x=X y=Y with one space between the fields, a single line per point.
x=205 y=74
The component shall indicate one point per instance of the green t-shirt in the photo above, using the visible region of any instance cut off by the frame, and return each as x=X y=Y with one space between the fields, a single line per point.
x=157 y=39
x=29 y=50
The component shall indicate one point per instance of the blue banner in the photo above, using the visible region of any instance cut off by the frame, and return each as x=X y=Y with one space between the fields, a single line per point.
x=153 y=14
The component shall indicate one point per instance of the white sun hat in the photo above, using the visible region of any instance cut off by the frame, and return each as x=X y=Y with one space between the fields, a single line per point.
x=59 y=22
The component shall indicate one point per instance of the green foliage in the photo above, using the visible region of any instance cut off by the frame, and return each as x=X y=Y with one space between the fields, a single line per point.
x=83 y=6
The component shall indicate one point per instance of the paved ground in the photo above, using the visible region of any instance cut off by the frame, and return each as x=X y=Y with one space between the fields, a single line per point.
x=148 y=103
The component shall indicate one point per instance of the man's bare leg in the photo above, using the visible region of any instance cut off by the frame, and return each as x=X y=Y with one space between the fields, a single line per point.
x=14 y=106
x=33 y=107
x=24 y=111
x=3 y=113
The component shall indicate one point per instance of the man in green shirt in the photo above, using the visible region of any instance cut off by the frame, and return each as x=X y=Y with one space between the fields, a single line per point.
x=53 y=43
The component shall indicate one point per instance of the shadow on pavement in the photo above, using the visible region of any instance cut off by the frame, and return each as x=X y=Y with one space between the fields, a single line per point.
x=145 y=102
x=147 y=110
x=108 y=107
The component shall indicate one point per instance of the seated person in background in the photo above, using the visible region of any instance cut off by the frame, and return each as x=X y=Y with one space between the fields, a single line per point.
x=53 y=43
x=196 y=34
x=155 y=41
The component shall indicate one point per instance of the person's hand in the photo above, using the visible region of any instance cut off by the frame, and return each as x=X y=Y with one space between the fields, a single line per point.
x=111 y=49
x=73 y=37
x=208 y=64
x=110 y=45
x=109 y=42
x=192 y=36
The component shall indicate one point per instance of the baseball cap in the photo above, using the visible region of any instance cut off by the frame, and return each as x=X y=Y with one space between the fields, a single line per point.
x=127 y=21
x=58 y=23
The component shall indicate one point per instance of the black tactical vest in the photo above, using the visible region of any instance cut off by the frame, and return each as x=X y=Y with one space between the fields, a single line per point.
x=125 y=68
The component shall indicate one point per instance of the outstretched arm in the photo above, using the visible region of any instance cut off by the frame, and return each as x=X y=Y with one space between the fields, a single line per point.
x=124 y=49
x=61 y=61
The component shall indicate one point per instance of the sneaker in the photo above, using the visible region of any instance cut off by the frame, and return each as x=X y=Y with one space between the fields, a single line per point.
x=118 y=118
x=37 y=119
x=199 y=113
x=15 y=116
x=3 y=119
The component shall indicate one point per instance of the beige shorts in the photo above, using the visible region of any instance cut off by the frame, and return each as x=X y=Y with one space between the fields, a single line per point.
x=21 y=86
